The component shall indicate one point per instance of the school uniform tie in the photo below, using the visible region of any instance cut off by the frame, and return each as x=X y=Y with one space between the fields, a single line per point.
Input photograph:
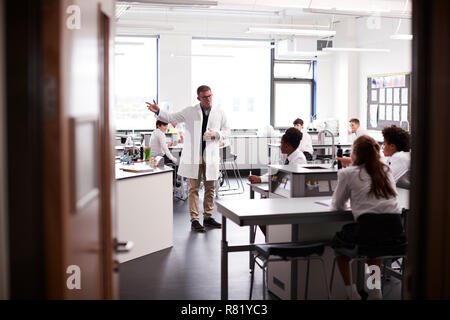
x=286 y=162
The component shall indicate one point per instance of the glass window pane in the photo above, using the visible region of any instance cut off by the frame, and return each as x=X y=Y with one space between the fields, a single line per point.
x=293 y=70
x=292 y=101
x=135 y=82
x=238 y=73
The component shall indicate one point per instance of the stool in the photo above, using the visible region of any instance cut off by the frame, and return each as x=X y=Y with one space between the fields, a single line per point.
x=230 y=158
x=391 y=248
x=288 y=251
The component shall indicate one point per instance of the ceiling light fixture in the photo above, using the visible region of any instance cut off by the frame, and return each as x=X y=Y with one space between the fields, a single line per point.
x=355 y=50
x=402 y=37
x=364 y=13
x=173 y=55
x=175 y=3
x=297 y=32
x=246 y=46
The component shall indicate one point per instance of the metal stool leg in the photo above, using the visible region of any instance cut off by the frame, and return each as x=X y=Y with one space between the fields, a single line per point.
x=307 y=278
x=351 y=277
x=332 y=274
x=325 y=278
x=264 y=281
x=240 y=177
x=252 y=278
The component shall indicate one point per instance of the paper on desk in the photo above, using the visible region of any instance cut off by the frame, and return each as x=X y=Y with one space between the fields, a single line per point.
x=327 y=203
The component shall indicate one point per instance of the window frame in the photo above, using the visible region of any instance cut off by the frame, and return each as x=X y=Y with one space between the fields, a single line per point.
x=275 y=80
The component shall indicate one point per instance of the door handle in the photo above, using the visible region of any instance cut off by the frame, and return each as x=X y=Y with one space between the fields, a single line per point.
x=123 y=247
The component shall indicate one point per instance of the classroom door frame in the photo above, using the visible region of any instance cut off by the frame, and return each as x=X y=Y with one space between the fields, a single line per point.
x=428 y=268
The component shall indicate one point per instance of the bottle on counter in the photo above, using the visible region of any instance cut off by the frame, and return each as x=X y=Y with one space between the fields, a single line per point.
x=339 y=155
x=129 y=146
x=146 y=148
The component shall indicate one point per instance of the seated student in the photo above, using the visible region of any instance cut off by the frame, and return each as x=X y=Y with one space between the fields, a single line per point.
x=370 y=186
x=355 y=129
x=158 y=143
x=396 y=150
x=306 y=143
x=291 y=154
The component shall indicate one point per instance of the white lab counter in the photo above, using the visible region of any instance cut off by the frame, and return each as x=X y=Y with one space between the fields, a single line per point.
x=144 y=211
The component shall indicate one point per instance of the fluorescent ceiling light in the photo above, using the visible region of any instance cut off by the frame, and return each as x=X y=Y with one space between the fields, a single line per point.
x=402 y=37
x=201 y=55
x=249 y=46
x=355 y=50
x=302 y=54
x=297 y=32
x=147 y=27
x=131 y=43
x=176 y=3
x=290 y=26
x=366 y=10
x=365 y=13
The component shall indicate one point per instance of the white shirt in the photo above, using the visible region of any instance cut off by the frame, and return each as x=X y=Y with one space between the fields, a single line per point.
x=358 y=133
x=354 y=183
x=159 y=145
x=306 y=143
x=399 y=163
x=295 y=158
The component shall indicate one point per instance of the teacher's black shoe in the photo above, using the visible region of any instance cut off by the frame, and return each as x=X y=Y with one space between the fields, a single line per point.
x=210 y=222
x=196 y=226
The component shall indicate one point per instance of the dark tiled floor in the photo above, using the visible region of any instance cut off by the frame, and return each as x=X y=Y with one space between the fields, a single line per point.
x=191 y=269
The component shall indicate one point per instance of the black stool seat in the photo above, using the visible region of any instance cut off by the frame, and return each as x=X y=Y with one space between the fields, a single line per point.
x=374 y=251
x=290 y=249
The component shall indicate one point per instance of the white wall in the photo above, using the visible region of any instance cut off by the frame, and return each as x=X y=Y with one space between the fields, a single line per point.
x=398 y=60
x=3 y=171
x=342 y=77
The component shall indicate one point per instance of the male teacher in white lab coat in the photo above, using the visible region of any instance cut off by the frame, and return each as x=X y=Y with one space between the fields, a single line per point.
x=205 y=127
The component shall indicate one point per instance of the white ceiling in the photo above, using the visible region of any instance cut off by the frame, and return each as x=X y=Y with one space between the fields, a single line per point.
x=238 y=15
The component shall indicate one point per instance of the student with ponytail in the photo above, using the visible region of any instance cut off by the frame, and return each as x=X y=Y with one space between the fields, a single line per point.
x=369 y=185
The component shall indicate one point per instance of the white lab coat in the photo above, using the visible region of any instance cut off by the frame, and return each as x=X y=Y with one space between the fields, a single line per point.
x=192 y=146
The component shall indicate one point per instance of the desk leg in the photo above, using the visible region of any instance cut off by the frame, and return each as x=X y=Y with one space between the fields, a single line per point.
x=252 y=236
x=224 y=262
x=252 y=241
x=294 y=264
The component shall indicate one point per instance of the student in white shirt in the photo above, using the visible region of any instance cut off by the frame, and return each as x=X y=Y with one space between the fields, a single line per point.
x=397 y=155
x=396 y=150
x=306 y=143
x=370 y=187
x=355 y=130
x=158 y=143
x=291 y=154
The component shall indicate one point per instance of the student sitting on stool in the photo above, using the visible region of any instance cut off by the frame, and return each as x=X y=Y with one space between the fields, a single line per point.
x=291 y=156
x=159 y=145
x=306 y=143
x=370 y=186
x=290 y=153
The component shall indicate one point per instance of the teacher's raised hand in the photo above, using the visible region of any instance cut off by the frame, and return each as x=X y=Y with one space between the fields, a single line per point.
x=153 y=107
